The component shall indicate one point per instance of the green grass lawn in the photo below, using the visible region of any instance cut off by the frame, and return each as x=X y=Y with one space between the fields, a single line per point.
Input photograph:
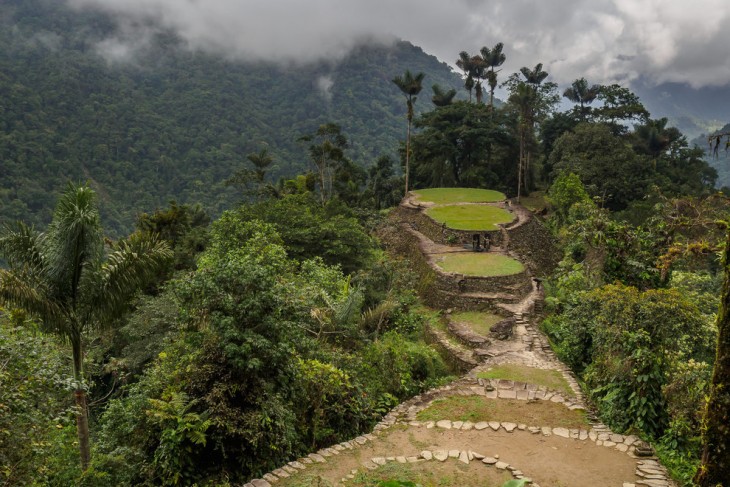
x=470 y=217
x=445 y=196
x=479 y=264
x=478 y=408
x=552 y=379
x=478 y=321
x=432 y=474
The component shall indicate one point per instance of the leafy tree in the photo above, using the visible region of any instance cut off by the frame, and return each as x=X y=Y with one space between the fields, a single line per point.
x=566 y=191
x=410 y=86
x=310 y=230
x=625 y=343
x=383 y=184
x=63 y=277
x=609 y=168
x=620 y=106
x=327 y=153
x=33 y=399
x=463 y=144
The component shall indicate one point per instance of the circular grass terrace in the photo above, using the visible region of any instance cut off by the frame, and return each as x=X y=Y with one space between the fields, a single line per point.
x=470 y=217
x=481 y=264
x=446 y=196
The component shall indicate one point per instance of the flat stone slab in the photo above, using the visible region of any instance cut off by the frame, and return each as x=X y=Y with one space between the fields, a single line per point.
x=494 y=425
x=317 y=458
x=441 y=455
x=509 y=427
x=260 y=483
x=563 y=432
x=426 y=454
x=507 y=394
x=489 y=460
x=501 y=465
x=444 y=424
x=454 y=453
x=481 y=425
x=379 y=460
x=279 y=472
x=464 y=457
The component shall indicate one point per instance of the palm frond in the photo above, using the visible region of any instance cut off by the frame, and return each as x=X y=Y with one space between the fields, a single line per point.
x=74 y=238
x=15 y=291
x=21 y=246
x=136 y=260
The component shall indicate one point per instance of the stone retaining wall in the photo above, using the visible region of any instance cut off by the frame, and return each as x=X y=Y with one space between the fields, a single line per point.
x=535 y=246
x=516 y=283
x=459 y=360
x=439 y=233
x=528 y=238
x=469 y=302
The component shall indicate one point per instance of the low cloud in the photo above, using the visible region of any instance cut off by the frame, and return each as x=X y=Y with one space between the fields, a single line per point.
x=324 y=85
x=603 y=40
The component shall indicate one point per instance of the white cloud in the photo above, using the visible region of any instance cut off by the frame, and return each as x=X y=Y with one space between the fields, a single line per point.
x=604 y=40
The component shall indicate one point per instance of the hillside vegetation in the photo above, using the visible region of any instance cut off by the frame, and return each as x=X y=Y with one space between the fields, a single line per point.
x=170 y=123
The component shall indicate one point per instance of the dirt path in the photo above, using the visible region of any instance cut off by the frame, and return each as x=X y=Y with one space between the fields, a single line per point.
x=518 y=428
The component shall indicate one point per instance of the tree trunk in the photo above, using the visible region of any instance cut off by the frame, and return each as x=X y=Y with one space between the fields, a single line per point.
x=408 y=153
x=519 y=168
x=82 y=418
x=715 y=467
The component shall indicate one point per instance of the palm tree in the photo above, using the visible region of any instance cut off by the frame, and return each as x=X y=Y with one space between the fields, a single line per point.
x=526 y=97
x=63 y=277
x=493 y=58
x=465 y=62
x=523 y=97
x=410 y=86
x=535 y=76
x=580 y=92
x=442 y=98
x=261 y=161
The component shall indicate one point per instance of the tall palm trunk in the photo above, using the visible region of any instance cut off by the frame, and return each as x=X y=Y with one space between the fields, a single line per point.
x=408 y=141
x=408 y=153
x=521 y=163
x=82 y=418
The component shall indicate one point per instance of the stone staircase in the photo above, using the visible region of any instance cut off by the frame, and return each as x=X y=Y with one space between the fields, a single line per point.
x=516 y=341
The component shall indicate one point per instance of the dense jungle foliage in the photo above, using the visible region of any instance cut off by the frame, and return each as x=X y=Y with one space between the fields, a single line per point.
x=258 y=349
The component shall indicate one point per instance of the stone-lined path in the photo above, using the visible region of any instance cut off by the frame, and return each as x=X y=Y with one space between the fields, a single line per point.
x=545 y=454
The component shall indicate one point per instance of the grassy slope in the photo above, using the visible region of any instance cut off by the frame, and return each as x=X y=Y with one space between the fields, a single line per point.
x=470 y=217
x=480 y=264
x=444 y=196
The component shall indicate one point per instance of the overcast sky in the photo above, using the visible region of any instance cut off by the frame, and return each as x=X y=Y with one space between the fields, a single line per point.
x=603 y=40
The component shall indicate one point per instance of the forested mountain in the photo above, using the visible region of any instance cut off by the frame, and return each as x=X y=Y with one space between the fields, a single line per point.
x=171 y=123
x=694 y=111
